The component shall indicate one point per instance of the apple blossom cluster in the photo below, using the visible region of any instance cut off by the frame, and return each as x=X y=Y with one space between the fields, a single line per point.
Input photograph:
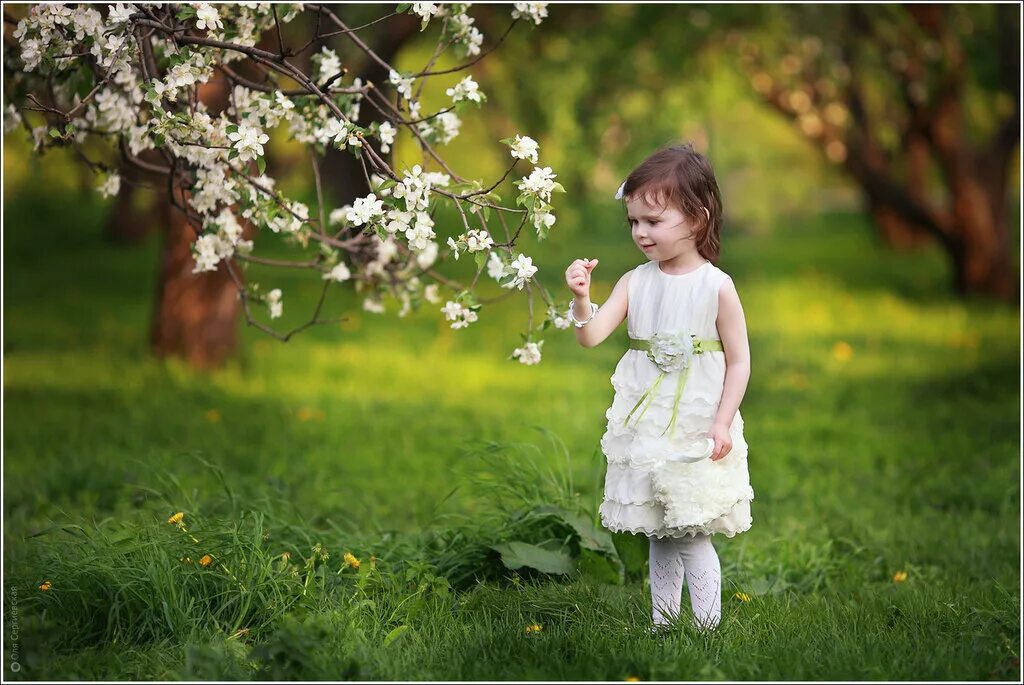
x=529 y=353
x=461 y=315
x=466 y=89
x=534 y=11
x=219 y=158
x=221 y=242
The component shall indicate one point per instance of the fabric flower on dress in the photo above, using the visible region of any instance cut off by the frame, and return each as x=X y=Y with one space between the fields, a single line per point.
x=671 y=351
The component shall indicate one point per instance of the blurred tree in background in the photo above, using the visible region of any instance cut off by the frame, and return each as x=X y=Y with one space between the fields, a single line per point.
x=917 y=105
x=909 y=111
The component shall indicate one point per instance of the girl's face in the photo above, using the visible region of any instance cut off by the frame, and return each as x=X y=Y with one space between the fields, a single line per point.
x=659 y=231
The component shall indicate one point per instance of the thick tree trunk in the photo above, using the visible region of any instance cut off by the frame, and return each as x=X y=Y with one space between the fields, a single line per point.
x=196 y=315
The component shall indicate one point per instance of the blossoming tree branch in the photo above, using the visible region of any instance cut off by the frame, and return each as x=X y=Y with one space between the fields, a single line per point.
x=140 y=67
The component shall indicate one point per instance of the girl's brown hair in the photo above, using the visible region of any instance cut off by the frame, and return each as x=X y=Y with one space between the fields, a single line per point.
x=681 y=177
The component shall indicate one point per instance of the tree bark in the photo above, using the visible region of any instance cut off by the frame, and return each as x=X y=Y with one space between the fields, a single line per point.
x=195 y=315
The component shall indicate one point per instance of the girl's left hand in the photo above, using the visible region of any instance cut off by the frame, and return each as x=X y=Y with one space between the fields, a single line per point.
x=723 y=441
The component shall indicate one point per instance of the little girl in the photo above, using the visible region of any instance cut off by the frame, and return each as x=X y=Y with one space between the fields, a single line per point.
x=677 y=460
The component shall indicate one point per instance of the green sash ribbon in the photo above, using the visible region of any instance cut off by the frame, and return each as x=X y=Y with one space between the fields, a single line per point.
x=700 y=345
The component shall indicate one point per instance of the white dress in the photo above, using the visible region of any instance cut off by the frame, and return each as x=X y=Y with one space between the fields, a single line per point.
x=647 y=488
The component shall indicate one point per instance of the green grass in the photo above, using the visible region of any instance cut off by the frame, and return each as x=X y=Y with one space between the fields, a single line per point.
x=374 y=437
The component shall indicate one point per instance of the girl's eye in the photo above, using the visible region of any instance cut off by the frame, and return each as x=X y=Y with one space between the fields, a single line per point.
x=655 y=223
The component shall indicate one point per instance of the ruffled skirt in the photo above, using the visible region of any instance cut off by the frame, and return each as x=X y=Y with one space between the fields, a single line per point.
x=647 y=488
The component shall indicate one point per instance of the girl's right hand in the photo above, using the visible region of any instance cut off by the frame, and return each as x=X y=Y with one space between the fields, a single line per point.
x=577 y=276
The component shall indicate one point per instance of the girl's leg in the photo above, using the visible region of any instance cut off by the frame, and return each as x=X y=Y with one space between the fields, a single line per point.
x=704 y=578
x=666 y=571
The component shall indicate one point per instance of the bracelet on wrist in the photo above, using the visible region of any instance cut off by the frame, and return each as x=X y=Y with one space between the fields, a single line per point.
x=572 y=317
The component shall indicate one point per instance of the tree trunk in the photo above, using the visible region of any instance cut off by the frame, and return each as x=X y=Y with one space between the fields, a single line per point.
x=196 y=315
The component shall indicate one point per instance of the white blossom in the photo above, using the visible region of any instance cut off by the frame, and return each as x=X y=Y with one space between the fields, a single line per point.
x=207 y=16
x=426 y=257
x=12 y=118
x=540 y=183
x=330 y=65
x=274 y=303
x=421 y=232
x=414 y=188
x=120 y=13
x=529 y=353
x=339 y=273
x=403 y=85
x=531 y=10
x=386 y=132
x=466 y=89
x=365 y=210
x=432 y=293
x=523 y=269
x=338 y=216
x=478 y=240
x=525 y=147
x=248 y=141
x=543 y=219
x=461 y=316
x=111 y=185
x=425 y=10
x=495 y=267
x=373 y=304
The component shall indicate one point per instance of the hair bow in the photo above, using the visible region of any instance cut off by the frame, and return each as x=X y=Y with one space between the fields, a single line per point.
x=619 y=192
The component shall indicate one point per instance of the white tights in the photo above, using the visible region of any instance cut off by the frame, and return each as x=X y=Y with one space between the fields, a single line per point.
x=670 y=558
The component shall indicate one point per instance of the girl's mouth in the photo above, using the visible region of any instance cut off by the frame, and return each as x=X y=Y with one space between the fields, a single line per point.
x=646 y=246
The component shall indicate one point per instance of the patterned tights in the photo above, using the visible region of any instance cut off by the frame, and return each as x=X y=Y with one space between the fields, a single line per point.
x=669 y=559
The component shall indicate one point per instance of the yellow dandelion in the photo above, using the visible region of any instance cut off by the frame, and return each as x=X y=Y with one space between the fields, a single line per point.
x=177 y=517
x=350 y=560
x=286 y=556
x=899 y=576
x=206 y=560
x=213 y=416
x=533 y=628
x=842 y=351
x=742 y=596
x=306 y=414
x=46 y=585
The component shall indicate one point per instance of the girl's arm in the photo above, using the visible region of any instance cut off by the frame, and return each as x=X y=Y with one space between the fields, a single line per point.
x=608 y=317
x=732 y=328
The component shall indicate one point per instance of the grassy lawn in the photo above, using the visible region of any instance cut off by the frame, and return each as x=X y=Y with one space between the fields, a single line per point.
x=882 y=417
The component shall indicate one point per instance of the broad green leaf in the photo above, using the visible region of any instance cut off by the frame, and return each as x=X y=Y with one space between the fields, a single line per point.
x=517 y=554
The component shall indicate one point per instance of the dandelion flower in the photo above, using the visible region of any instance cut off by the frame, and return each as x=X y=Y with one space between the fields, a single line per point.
x=533 y=628
x=350 y=560
x=46 y=585
x=899 y=577
x=206 y=560
x=742 y=596
x=842 y=351
x=177 y=517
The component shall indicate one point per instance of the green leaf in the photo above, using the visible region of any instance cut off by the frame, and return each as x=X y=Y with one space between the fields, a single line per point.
x=394 y=634
x=261 y=164
x=555 y=185
x=403 y=7
x=480 y=258
x=517 y=554
x=55 y=133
